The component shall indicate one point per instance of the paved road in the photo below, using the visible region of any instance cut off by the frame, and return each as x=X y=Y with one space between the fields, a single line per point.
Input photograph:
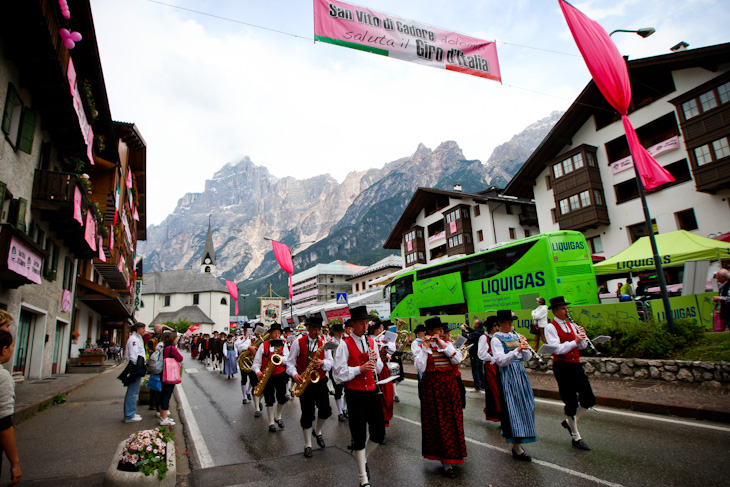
x=628 y=449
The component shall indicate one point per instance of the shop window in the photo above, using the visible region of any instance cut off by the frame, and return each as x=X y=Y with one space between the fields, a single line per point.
x=686 y=220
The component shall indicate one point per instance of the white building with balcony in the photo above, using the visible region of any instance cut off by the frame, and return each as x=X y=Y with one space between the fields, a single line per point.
x=322 y=282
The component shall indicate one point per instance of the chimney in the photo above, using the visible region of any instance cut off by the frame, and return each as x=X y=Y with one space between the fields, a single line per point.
x=457 y=187
x=682 y=46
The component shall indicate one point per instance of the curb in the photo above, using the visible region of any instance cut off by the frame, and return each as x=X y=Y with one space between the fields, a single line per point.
x=29 y=411
x=632 y=405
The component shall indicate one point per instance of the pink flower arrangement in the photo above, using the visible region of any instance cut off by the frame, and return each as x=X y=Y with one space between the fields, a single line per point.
x=146 y=451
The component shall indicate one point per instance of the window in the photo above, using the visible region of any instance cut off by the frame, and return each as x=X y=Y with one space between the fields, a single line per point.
x=724 y=92
x=167 y=301
x=557 y=170
x=628 y=190
x=548 y=183
x=512 y=233
x=357 y=286
x=421 y=256
x=18 y=123
x=639 y=230
x=585 y=199
x=196 y=298
x=477 y=211
x=554 y=215
x=564 y=209
x=68 y=273
x=702 y=154
x=591 y=159
x=577 y=161
x=527 y=233
x=480 y=235
x=452 y=216
x=508 y=209
x=456 y=240
x=690 y=109
x=574 y=203
x=686 y=220
x=721 y=148
x=597 y=197
x=707 y=100
x=224 y=301
x=467 y=238
x=595 y=244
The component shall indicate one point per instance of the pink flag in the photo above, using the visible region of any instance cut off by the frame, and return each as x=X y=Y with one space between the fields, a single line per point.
x=77 y=205
x=129 y=178
x=90 y=230
x=283 y=257
x=609 y=72
x=102 y=256
x=233 y=291
x=136 y=214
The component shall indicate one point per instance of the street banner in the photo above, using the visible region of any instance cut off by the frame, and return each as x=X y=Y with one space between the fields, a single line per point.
x=368 y=30
x=271 y=310
x=77 y=205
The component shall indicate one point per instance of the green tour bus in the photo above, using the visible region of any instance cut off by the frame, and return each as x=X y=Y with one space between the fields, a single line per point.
x=509 y=276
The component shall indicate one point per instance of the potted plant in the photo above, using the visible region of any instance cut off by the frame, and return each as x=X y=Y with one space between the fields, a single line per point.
x=147 y=457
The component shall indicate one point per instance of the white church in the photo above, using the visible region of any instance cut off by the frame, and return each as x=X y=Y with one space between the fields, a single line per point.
x=199 y=297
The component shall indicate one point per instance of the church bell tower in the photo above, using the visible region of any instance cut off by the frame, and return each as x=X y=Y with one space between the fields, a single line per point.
x=207 y=262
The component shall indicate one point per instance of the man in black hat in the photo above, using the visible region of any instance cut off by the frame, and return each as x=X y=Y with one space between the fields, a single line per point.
x=276 y=384
x=301 y=354
x=243 y=341
x=357 y=361
x=338 y=331
x=572 y=381
x=492 y=406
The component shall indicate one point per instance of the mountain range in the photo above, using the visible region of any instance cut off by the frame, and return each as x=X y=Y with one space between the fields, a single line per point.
x=348 y=221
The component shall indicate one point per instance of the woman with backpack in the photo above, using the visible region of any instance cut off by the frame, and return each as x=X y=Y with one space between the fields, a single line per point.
x=171 y=359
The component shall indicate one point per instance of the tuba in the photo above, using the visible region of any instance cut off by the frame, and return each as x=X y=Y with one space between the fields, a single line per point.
x=274 y=360
x=403 y=335
x=245 y=360
x=310 y=374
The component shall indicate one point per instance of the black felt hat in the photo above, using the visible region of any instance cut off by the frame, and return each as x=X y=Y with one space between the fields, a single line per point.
x=313 y=321
x=505 y=315
x=359 y=313
x=559 y=301
x=337 y=327
x=275 y=326
x=434 y=322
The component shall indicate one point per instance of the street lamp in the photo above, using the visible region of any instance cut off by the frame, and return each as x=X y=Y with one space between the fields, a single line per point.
x=244 y=302
x=291 y=251
x=643 y=32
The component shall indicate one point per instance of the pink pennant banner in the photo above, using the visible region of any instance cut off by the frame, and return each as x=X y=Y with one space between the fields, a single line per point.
x=233 y=291
x=609 y=72
x=90 y=230
x=77 y=205
x=129 y=178
x=66 y=300
x=283 y=257
x=102 y=255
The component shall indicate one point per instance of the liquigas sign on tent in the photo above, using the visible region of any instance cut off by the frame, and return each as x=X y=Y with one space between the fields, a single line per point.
x=368 y=30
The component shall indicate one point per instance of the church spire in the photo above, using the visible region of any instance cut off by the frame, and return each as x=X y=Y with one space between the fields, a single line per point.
x=207 y=262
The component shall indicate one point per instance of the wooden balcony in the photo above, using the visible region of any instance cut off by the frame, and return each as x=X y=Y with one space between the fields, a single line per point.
x=116 y=276
x=584 y=218
x=528 y=217
x=586 y=177
x=713 y=177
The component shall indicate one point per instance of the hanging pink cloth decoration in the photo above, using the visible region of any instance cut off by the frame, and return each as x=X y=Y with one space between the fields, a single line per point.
x=609 y=72
x=283 y=257
x=233 y=291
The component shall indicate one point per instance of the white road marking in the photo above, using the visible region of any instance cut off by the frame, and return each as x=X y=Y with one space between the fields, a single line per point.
x=646 y=416
x=543 y=463
x=206 y=461
x=191 y=371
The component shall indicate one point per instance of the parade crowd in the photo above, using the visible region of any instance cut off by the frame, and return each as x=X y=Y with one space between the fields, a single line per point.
x=360 y=364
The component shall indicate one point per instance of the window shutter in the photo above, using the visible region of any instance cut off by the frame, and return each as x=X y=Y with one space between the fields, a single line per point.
x=11 y=99
x=27 y=130
x=16 y=213
x=2 y=195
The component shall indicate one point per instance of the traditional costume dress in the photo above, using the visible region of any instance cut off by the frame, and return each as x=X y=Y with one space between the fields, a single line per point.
x=242 y=343
x=194 y=348
x=386 y=348
x=230 y=365
x=492 y=409
x=316 y=394
x=276 y=386
x=516 y=399
x=442 y=417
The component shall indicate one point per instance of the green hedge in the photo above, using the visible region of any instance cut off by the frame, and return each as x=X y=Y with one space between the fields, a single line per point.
x=650 y=340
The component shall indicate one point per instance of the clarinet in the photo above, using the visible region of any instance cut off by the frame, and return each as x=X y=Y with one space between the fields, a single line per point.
x=375 y=372
x=534 y=353
x=582 y=330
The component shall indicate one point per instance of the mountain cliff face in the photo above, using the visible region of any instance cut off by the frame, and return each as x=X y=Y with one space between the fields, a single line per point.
x=348 y=220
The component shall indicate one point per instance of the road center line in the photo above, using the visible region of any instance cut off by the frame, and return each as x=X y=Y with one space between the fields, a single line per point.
x=539 y=462
x=206 y=461
x=648 y=417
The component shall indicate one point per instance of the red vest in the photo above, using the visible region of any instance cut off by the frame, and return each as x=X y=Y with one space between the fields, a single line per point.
x=366 y=380
x=303 y=358
x=278 y=369
x=573 y=355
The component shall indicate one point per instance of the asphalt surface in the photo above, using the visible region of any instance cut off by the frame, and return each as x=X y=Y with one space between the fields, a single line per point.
x=628 y=449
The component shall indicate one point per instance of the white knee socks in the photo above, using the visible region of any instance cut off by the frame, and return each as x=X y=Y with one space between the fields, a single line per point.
x=279 y=408
x=361 y=461
x=339 y=405
x=573 y=424
x=307 y=437
x=270 y=414
x=318 y=426
x=369 y=447
x=256 y=402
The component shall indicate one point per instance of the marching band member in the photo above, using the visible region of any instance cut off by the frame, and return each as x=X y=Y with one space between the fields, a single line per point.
x=357 y=363
x=337 y=336
x=491 y=387
x=316 y=394
x=573 y=383
x=517 y=402
x=442 y=417
x=242 y=343
x=386 y=351
x=276 y=385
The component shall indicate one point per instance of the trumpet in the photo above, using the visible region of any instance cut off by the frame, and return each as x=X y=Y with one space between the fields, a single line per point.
x=534 y=353
x=245 y=360
x=582 y=330
x=274 y=360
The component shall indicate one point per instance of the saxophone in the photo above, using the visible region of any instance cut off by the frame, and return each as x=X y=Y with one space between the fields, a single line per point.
x=310 y=374
x=274 y=360
x=245 y=360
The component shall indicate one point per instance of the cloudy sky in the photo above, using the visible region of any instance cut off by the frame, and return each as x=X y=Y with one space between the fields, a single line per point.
x=209 y=82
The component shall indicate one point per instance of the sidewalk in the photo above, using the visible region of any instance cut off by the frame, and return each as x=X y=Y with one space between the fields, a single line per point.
x=670 y=399
x=72 y=444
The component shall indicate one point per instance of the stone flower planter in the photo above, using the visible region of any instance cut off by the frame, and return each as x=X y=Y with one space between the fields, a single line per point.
x=118 y=478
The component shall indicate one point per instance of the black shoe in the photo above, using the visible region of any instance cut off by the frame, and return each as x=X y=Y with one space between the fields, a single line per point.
x=249 y=397
x=257 y=414
x=261 y=407
x=450 y=473
x=308 y=452
x=383 y=442
x=280 y=423
x=346 y=414
x=524 y=457
x=245 y=401
x=396 y=398
x=581 y=445
x=272 y=428
x=320 y=440
x=341 y=417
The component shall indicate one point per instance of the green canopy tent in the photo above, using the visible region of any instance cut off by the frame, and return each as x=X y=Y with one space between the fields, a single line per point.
x=675 y=248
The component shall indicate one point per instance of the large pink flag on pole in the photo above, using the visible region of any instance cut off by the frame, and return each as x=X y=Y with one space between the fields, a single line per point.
x=609 y=72
x=283 y=257
x=233 y=291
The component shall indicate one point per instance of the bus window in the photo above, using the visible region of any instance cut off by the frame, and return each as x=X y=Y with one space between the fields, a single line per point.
x=401 y=289
x=492 y=263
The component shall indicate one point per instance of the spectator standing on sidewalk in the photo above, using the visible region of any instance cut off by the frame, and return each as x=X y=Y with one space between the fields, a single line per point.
x=7 y=406
x=134 y=351
x=723 y=297
x=539 y=322
x=169 y=340
x=477 y=365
